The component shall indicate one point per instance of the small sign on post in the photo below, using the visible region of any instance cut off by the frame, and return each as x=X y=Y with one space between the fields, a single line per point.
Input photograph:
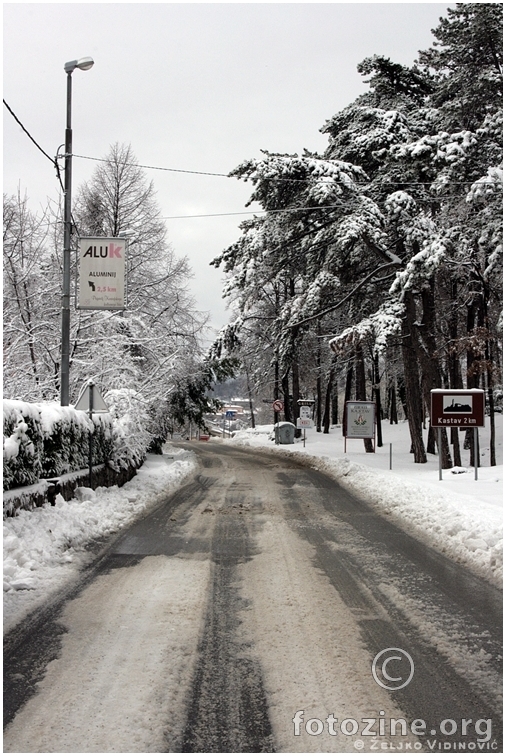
x=278 y=406
x=91 y=400
x=457 y=408
x=304 y=422
x=359 y=421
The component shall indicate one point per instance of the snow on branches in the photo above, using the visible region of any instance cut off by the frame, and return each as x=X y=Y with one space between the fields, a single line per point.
x=377 y=329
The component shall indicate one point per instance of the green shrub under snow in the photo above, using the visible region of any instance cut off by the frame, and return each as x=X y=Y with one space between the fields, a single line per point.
x=45 y=440
x=23 y=444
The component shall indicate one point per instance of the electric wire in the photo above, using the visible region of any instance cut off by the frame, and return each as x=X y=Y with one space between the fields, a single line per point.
x=323 y=179
x=53 y=161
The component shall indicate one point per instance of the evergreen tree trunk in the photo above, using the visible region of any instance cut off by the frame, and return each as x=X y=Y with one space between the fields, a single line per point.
x=428 y=359
x=401 y=390
x=285 y=386
x=472 y=380
x=431 y=441
x=454 y=370
x=377 y=398
x=490 y=392
x=250 y=398
x=328 y=393
x=318 y=383
x=393 y=405
x=454 y=437
x=489 y=357
x=276 y=385
x=349 y=383
x=295 y=395
x=360 y=388
x=413 y=395
x=335 y=407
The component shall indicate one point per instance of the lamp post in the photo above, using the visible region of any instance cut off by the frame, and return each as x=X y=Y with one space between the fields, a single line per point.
x=84 y=64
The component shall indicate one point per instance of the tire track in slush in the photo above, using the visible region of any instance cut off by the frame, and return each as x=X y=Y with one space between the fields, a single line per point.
x=228 y=710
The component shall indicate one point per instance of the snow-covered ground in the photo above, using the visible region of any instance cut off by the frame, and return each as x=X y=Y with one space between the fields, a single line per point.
x=45 y=548
x=458 y=516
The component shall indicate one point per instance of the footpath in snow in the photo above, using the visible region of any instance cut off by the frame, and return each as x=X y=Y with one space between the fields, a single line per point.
x=459 y=516
x=44 y=549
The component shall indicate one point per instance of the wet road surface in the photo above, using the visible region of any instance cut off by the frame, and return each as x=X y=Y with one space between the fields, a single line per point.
x=277 y=589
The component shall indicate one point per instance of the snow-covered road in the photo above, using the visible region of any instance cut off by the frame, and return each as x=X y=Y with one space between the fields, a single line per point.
x=245 y=613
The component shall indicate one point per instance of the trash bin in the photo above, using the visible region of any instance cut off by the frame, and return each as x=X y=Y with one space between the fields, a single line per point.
x=284 y=433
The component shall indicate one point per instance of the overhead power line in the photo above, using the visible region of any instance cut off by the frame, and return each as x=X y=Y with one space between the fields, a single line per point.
x=154 y=167
x=323 y=179
x=53 y=161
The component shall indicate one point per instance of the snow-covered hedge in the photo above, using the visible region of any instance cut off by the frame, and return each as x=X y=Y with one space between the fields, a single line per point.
x=45 y=440
x=23 y=444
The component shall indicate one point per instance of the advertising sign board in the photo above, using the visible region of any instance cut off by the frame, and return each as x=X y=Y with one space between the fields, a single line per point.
x=101 y=273
x=464 y=408
x=360 y=420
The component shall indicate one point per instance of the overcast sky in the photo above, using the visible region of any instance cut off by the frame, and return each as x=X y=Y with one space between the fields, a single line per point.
x=197 y=87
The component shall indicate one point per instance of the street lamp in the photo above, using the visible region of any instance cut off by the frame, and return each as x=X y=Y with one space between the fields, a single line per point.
x=84 y=64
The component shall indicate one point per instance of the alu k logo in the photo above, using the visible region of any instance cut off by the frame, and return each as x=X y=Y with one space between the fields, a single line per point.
x=109 y=250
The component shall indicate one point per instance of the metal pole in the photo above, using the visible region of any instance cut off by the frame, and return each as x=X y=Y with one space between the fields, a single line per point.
x=476 y=451
x=440 y=454
x=67 y=232
x=390 y=456
x=90 y=450
x=304 y=444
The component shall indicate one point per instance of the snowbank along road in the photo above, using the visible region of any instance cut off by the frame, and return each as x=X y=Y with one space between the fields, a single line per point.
x=261 y=608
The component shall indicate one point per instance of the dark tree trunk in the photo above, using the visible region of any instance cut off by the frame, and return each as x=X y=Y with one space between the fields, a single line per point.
x=457 y=461
x=335 y=406
x=489 y=359
x=454 y=371
x=276 y=385
x=318 y=383
x=360 y=388
x=393 y=405
x=377 y=398
x=401 y=389
x=413 y=395
x=349 y=384
x=426 y=346
x=431 y=441
x=472 y=379
x=285 y=386
x=491 y=407
x=328 y=394
x=295 y=390
x=250 y=398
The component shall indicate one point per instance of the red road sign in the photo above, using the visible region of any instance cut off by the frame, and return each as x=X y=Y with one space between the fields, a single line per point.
x=457 y=408
x=277 y=405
